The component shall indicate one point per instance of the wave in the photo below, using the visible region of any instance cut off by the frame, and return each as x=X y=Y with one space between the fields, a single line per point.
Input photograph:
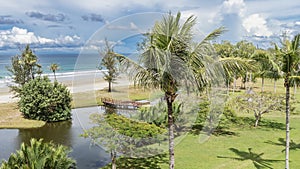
x=7 y=80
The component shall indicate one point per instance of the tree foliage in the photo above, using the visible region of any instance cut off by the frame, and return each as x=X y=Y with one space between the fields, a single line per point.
x=40 y=155
x=109 y=62
x=42 y=100
x=24 y=68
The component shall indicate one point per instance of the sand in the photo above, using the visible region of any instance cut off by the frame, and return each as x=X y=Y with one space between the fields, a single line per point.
x=76 y=83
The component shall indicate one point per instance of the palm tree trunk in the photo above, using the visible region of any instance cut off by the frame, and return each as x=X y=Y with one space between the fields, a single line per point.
x=109 y=86
x=295 y=90
x=287 y=121
x=54 y=75
x=170 y=99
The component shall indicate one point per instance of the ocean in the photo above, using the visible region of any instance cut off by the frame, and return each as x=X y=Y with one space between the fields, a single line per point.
x=69 y=63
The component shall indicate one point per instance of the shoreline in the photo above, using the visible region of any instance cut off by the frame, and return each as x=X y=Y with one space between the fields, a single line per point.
x=76 y=82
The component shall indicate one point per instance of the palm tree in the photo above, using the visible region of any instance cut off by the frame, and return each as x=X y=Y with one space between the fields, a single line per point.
x=170 y=59
x=54 y=67
x=267 y=66
x=289 y=54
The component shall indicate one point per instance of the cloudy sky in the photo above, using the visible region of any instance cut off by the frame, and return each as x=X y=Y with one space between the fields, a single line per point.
x=63 y=25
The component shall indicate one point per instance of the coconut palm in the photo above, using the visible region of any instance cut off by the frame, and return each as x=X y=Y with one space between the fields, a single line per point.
x=267 y=67
x=289 y=54
x=171 y=59
x=54 y=67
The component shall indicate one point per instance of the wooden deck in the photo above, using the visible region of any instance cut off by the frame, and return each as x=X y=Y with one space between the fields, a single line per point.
x=120 y=104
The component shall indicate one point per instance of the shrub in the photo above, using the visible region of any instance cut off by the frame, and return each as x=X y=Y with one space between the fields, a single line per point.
x=39 y=155
x=42 y=100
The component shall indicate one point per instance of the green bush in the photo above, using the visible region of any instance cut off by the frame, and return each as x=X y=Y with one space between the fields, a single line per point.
x=40 y=155
x=40 y=99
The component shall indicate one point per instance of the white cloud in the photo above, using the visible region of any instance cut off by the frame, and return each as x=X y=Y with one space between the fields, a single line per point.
x=19 y=36
x=257 y=25
x=234 y=6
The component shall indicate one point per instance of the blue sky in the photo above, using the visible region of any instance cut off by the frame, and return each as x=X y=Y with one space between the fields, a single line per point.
x=66 y=26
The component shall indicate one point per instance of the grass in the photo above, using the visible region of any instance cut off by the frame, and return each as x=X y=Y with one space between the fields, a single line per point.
x=10 y=117
x=248 y=148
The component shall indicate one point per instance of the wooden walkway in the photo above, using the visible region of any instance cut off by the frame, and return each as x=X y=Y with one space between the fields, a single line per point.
x=119 y=104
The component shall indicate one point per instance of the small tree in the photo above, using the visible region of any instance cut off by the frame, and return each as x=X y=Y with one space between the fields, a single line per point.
x=259 y=104
x=54 y=67
x=23 y=68
x=109 y=62
x=42 y=100
x=120 y=135
x=40 y=155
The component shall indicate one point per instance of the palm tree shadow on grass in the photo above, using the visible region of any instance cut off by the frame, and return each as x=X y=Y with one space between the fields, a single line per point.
x=153 y=162
x=281 y=142
x=256 y=159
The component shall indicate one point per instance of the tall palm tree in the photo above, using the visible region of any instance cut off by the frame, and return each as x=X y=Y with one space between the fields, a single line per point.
x=54 y=67
x=169 y=59
x=289 y=54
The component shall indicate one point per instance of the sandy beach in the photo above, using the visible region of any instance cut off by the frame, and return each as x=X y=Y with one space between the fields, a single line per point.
x=76 y=82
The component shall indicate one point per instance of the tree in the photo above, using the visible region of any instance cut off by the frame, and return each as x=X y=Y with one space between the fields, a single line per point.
x=169 y=59
x=259 y=104
x=267 y=66
x=24 y=68
x=40 y=155
x=289 y=55
x=120 y=135
x=54 y=67
x=109 y=62
x=42 y=100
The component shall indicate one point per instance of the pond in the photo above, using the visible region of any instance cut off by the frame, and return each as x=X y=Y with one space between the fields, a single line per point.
x=67 y=133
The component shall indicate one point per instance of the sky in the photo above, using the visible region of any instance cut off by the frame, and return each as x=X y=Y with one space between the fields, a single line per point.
x=73 y=26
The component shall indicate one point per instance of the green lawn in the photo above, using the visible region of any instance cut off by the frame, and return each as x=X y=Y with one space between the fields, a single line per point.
x=249 y=148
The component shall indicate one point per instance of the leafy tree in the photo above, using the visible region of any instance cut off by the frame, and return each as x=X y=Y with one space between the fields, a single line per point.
x=233 y=64
x=54 y=67
x=244 y=49
x=259 y=104
x=23 y=68
x=170 y=59
x=158 y=114
x=42 y=100
x=39 y=155
x=109 y=62
x=120 y=135
x=289 y=55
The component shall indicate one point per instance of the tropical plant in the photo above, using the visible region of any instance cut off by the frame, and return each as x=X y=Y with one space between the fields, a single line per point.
x=42 y=100
x=40 y=155
x=289 y=54
x=120 y=135
x=171 y=59
x=109 y=62
x=23 y=68
x=54 y=67
x=267 y=67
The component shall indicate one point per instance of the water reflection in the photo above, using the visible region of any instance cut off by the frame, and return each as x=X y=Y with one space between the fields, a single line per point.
x=58 y=132
x=66 y=133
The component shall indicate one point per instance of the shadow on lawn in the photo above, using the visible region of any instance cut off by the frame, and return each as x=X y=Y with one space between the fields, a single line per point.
x=197 y=129
x=281 y=142
x=264 y=123
x=256 y=159
x=153 y=162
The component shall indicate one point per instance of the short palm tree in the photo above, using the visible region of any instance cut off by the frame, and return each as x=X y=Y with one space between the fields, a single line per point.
x=289 y=54
x=54 y=67
x=39 y=155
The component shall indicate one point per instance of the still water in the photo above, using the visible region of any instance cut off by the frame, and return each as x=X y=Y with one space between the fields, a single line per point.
x=67 y=133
